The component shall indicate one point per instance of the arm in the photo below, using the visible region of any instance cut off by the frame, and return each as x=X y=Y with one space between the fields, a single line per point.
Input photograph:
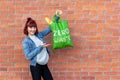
x=46 y=31
x=28 y=53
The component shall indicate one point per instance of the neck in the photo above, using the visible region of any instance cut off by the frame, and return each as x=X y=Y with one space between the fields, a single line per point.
x=30 y=35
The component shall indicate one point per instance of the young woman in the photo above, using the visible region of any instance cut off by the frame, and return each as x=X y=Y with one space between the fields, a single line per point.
x=36 y=50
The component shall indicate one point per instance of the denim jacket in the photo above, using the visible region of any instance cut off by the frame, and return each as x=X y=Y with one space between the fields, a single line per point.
x=30 y=49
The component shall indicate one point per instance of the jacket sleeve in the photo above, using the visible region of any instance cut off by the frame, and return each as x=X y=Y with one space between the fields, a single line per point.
x=29 y=54
x=46 y=31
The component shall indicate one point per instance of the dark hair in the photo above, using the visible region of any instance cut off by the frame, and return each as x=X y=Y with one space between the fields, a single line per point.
x=30 y=23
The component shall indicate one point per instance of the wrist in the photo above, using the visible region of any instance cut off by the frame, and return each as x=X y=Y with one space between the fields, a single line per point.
x=42 y=46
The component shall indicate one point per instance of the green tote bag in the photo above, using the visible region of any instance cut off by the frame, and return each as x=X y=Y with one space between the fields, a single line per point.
x=61 y=34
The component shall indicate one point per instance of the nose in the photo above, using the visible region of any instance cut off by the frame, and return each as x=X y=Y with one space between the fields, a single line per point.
x=33 y=28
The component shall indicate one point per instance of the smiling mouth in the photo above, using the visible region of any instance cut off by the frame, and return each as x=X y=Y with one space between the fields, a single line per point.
x=32 y=32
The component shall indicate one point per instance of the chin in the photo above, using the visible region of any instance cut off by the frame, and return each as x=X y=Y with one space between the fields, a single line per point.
x=31 y=34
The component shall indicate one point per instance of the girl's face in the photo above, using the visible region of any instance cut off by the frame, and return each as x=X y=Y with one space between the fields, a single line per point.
x=31 y=30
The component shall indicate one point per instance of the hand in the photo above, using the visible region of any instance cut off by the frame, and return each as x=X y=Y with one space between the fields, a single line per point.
x=58 y=12
x=45 y=45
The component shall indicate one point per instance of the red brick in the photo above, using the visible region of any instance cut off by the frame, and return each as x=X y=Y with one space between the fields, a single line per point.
x=103 y=77
x=115 y=77
x=88 y=78
x=3 y=69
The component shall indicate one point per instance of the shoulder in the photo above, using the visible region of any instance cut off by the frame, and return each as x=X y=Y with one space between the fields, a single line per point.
x=25 y=40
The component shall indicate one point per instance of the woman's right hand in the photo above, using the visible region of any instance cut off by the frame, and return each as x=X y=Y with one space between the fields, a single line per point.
x=45 y=45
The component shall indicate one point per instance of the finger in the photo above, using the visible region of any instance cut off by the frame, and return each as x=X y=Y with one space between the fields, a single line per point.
x=58 y=11
x=48 y=44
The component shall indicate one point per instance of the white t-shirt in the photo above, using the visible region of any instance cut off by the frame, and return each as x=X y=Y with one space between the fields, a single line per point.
x=42 y=57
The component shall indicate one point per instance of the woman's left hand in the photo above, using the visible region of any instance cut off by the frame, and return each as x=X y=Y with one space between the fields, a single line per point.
x=58 y=12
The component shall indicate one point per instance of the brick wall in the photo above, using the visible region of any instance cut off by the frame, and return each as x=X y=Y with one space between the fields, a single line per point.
x=95 y=30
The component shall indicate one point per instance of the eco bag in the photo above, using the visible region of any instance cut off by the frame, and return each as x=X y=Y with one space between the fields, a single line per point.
x=61 y=34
